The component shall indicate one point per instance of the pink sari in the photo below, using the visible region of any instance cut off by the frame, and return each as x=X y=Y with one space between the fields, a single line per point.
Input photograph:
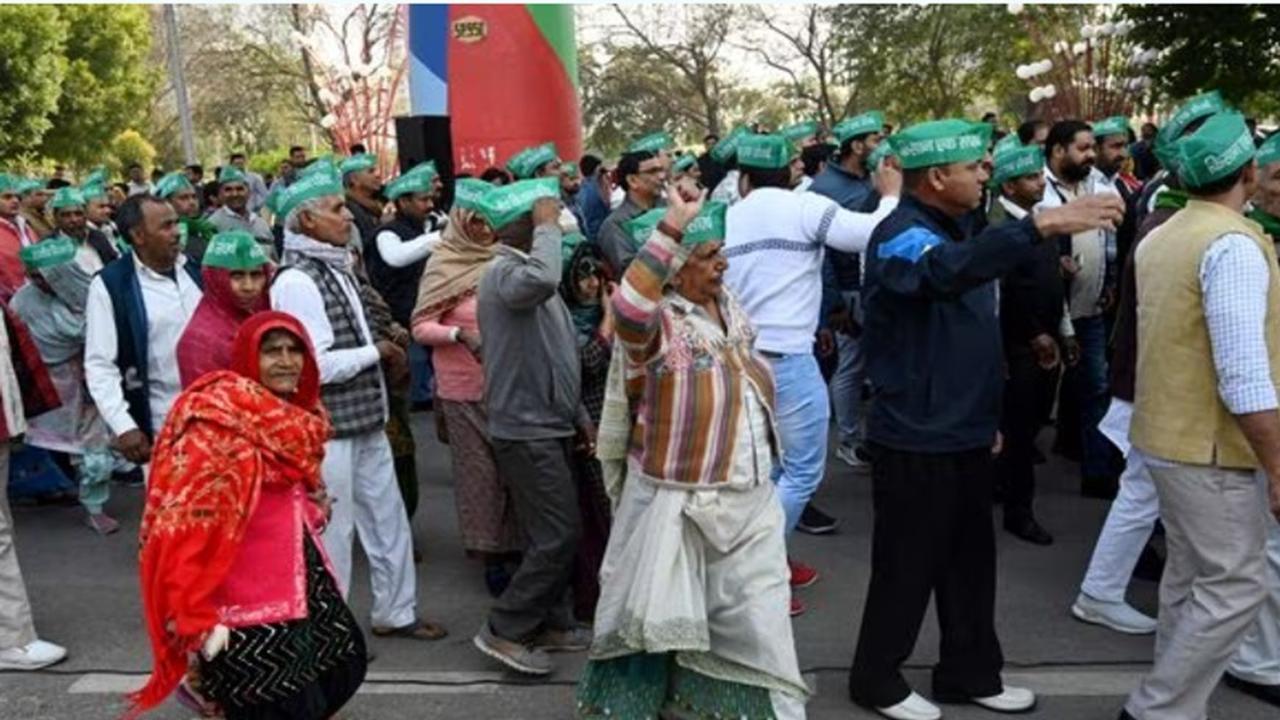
x=205 y=345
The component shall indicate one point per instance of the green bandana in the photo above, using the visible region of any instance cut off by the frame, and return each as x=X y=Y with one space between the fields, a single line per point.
x=419 y=178
x=1270 y=223
x=94 y=191
x=728 y=147
x=569 y=245
x=1220 y=147
x=1118 y=125
x=653 y=142
x=767 y=152
x=685 y=163
x=29 y=185
x=173 y=183
x=800 y=131
x=232 y=174
x=1269 y=151
x=323 y=163
x=868 y=122
x=1008 y=142
x=504 y=205
x=708 y=226
x=8 y=183
x=569 y=170
x=97 y=177
x=67 y=197
x=52 y=252
x=468 y=193
x=1190 y=111
x=941 y=142
x=528 y=161
x=318 y=183
x=234 y=250
x=883 y=149
x=357 y=163
x=1012 y=163
x=272 y=202
x=642 y=226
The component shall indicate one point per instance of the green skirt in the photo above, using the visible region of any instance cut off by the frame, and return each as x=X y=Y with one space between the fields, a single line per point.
x=648 y=687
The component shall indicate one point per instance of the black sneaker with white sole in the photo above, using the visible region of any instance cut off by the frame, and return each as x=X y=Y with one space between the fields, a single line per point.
x=815 y=522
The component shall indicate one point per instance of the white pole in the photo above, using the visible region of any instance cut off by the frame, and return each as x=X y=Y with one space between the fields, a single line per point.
x=179 y=84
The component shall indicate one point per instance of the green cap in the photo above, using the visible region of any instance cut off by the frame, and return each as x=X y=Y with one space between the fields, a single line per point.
x=94 y=191
x=569 y=169
x=527 y=162
x=8 y=183
x=1218 y=148
x=357 y=163
x=503 y=205
x=468 y=193
x=767 y=152
x=324 y=163
x=883 y=149
x=653 y=142
x=868 y=122
x=1118 y=125
x=67 y=197
x=1200 y=106
x=1014 y=162
x=48 y=253
x=172 y=184
x=1008 y=142
x=27 y=185
x=685 y=163
x=941 y=142
x=320 y=182
x=640 y=227
x=272 y=202
x=708 y=225
x=728 y=147
x=232 y=174
x=98 y=176
x=417 y=179
x=798 y=132
x=569 y=245
x=234 y=250
x=1269 y=151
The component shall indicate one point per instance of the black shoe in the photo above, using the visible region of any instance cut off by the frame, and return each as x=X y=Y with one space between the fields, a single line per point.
x=1150 y=565
x=1028 y=529
x=815 y=522
x=1265 y=693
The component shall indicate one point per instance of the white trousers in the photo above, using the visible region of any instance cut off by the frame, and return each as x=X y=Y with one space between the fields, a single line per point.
x=360 y=476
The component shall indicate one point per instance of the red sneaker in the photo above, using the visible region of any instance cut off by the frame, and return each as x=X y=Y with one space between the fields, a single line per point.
x=802 y=576
x=797 y=607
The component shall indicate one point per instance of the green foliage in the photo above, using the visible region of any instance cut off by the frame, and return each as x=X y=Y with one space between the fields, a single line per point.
x=127 y=148
x=108 y=82
x=268 y=162
x=1231 y=48
x=31 y=72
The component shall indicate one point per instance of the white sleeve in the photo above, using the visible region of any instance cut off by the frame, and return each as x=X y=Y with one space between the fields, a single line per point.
x=402 y=253
x=101 y=373
x=1233 y=279
x=295 y=293
x=826 y=223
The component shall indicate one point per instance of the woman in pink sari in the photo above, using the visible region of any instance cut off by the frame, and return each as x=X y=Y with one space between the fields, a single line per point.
x=237 y=273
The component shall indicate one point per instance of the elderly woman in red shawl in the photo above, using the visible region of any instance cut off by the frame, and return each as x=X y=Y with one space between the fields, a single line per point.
x=237 y=593
x=236 y=273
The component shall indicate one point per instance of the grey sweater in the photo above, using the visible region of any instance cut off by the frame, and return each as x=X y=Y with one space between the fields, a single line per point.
x=532 y=377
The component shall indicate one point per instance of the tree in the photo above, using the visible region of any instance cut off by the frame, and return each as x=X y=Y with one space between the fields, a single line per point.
x=801 y=43
x=1231 y=48
x=31 y=72
x=107 y=84
x=127 y=148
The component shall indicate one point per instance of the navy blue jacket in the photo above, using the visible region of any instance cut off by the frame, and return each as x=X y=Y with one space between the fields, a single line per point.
x=853 y=193
x=932 y=336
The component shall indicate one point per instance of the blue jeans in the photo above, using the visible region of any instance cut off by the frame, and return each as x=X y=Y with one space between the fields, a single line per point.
x=1093 y=395
x=846 y=384
x=802 y=413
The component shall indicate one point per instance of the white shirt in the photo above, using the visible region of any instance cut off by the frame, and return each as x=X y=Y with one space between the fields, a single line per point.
x=727 y=191
x=15 y=418
x=401 y=253
x=169 y=304
x=774 y=240
x=294 y=292
x=1089 y=248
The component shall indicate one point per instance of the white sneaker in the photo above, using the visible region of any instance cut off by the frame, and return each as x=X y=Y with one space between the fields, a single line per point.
x=913 y=708
x=1119 y=616
x=1012 y=700
x=848 y=454
x=38 y=654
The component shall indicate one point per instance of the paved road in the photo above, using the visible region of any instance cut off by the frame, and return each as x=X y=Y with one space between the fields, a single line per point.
x=84 y=591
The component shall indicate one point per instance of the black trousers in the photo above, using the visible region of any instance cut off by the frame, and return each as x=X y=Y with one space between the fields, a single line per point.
x=932 y=537
x=545 y=497
x=1028 y=396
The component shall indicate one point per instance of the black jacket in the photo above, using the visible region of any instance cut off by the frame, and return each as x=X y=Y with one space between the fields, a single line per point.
x=397 y=285
x=932 y=336
x=1031 y=295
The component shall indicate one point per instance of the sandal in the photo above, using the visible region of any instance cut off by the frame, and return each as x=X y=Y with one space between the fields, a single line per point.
x=418 y=630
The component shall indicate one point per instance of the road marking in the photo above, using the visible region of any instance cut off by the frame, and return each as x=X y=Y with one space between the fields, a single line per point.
x=1076 y=682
